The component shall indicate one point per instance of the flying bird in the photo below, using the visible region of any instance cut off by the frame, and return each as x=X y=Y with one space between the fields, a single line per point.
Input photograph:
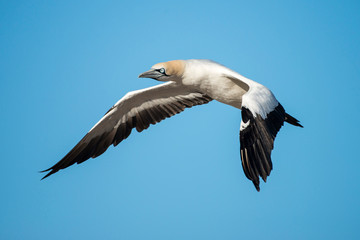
x=188 y=83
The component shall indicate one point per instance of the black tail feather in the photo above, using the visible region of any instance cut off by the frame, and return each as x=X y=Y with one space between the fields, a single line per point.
x=292 y=120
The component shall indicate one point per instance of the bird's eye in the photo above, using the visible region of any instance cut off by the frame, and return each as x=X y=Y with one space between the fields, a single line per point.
x=162 y=70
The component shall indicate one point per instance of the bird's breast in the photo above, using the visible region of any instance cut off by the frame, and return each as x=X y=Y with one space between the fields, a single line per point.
x=219 y=88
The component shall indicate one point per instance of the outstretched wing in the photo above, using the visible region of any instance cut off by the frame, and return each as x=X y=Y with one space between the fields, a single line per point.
x=137 y=109
x=262 y=117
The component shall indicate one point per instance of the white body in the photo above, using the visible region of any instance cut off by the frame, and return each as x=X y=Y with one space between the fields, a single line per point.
x=225 y=85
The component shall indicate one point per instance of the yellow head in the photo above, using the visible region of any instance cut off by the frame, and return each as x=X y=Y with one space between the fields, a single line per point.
x=165 y=71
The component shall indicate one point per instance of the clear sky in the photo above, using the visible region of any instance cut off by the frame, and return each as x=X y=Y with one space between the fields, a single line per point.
x=63 y=64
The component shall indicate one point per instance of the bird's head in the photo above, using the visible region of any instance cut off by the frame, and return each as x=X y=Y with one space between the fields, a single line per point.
x=165 y=71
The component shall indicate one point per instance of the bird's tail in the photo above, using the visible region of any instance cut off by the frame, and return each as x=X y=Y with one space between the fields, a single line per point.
x=292 y=120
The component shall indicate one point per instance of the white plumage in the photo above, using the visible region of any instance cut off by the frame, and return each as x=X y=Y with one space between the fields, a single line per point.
x=190 y=83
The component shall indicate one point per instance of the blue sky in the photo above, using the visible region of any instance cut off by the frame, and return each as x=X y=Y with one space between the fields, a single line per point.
x=64 y=63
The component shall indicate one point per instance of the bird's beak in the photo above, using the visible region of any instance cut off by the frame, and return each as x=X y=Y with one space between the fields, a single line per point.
x=150 y=74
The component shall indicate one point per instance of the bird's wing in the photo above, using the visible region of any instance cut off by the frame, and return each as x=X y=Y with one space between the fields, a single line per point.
x=137 y=109
x=262 y=117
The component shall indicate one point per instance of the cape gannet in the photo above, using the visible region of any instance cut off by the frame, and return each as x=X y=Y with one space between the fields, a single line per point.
x=189 y=83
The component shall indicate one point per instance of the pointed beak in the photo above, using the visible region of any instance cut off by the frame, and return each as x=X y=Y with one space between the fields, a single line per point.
x=152 y=73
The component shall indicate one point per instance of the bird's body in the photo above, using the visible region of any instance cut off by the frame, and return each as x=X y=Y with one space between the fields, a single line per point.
x=219 y=82
x=189 y=83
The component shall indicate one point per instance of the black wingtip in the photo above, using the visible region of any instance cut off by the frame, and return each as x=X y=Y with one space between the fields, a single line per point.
x=257 y=186
x=48 y=174
x=45 y=170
